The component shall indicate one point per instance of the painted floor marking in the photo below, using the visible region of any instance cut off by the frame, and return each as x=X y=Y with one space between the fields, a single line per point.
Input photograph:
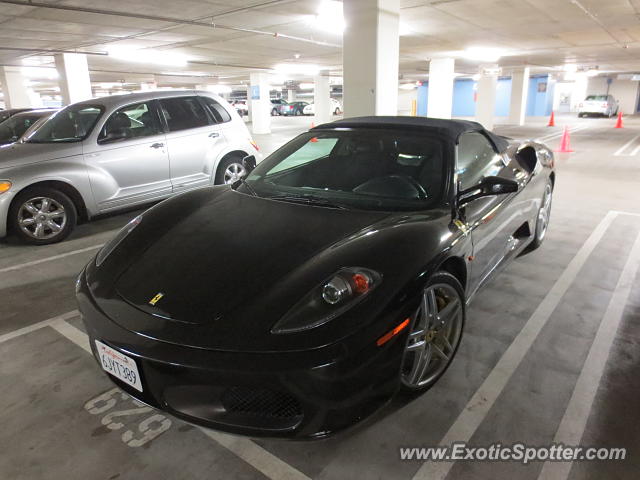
x=619 y=152
x=37 y=326
x=48 y=259
x=479 y=405
x=555 y=135
x=576 y=415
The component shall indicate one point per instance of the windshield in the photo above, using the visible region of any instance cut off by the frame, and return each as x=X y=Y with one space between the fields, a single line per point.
x=361 y=169
x=13 y=128
x=602 y=98
x=71 y=124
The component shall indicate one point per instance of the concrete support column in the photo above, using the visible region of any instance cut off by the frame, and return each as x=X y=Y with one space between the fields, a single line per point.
x=15 y=90
x=440 y=95
x=519 y=92
x=291 y=96
x=371 y=45
x=321 y=99
x=73 y=73
x=486 y=103
x=260 y=103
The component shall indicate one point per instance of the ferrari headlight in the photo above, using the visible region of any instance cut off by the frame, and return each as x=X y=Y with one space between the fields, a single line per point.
x=111 y=245
x=331 y=298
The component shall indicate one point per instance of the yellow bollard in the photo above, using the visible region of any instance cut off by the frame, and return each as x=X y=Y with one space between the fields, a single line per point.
x=414 y=108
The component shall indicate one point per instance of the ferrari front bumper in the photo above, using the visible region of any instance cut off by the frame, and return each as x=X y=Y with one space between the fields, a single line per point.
x=311 y=393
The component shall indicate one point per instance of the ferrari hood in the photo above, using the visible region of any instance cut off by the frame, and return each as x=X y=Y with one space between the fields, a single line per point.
x=226 y=249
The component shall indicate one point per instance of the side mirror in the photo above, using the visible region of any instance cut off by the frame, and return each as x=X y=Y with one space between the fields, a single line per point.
x=249 y=163
x=114 y=136
x=489 y=186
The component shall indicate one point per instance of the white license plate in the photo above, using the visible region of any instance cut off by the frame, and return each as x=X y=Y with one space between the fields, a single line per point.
x=119 y=365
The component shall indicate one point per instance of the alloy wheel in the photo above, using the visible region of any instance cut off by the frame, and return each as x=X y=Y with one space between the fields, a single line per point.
x=234 y=172
x=544 y=213
x=42 y=218
x=434 y=337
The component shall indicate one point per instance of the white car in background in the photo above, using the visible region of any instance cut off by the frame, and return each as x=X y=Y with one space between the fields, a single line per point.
x=598 y=105
x=336 y=108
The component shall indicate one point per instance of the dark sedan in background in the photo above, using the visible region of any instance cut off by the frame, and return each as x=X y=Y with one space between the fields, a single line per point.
x=344 y=279
x=15 y=126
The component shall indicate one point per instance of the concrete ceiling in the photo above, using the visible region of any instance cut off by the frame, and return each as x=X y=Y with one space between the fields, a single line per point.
x=226 y=39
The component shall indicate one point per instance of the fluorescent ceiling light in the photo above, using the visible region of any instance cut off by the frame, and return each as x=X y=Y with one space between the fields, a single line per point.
x=570 y=67
x=148 y=56
x=219 y=89
x=592 y=73
x=483 y=54
x=297 y=69
x=307 y=86
x=407 y=86
x=39 y=72
x=329 y=18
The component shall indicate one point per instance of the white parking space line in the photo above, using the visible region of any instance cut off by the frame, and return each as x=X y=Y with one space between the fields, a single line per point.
x=479 y=405
x=256 y=456
x=619 y=153
x=253 y=454
x=72 y=333
x=555 y=135
x=38 y=326
x=576 y=415
x=48 y=259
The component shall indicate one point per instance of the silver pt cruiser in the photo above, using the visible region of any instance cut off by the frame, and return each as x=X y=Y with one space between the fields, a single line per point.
x=111 y=153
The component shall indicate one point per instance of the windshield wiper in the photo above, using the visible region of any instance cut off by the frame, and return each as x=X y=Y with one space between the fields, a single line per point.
x=242 y=181
x=307 y=199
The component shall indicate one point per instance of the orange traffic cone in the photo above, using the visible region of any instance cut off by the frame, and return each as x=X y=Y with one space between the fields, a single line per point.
x=619 y=122
x=565 y=147
x=552 y=120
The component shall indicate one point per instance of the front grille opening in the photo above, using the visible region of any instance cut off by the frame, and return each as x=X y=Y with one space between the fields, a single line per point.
x=261 y=402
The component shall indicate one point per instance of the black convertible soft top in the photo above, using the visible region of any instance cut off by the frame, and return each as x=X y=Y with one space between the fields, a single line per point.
x=451 y=129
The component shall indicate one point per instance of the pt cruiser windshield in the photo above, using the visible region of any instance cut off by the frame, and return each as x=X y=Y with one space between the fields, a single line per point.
x=71 y=124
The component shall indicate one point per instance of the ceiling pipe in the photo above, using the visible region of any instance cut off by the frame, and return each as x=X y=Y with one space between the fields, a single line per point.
x=51 y=51
x=158 y=18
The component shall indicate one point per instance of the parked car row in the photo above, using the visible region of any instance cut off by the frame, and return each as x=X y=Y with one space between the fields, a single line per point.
x=16 y=125
x=107 y=154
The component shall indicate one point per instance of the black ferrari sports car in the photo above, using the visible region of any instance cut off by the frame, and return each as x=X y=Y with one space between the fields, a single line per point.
x=300 y=299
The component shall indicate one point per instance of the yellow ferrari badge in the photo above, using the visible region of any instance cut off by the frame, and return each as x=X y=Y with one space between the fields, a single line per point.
x=156 y=299
x=460 y=225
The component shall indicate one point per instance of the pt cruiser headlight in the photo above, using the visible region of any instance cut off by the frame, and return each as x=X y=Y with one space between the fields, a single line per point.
x=111 y=245
x=331 y=298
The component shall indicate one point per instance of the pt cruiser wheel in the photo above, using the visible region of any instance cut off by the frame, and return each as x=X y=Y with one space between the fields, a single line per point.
x=435 y=333
x=230 y=171
x=42 y=216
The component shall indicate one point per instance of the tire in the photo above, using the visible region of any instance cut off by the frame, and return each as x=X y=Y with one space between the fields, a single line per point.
x=336 y=111
x=444 y=287
x=230 y=170
x=274 y=112
x=35 y=226
x=540 y=231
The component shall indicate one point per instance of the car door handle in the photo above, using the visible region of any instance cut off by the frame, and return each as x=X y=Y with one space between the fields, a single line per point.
x=214 y=135
x=157 y=145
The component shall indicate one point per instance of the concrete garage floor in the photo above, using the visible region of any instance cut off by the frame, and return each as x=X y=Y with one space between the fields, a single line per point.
x=62 y=418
